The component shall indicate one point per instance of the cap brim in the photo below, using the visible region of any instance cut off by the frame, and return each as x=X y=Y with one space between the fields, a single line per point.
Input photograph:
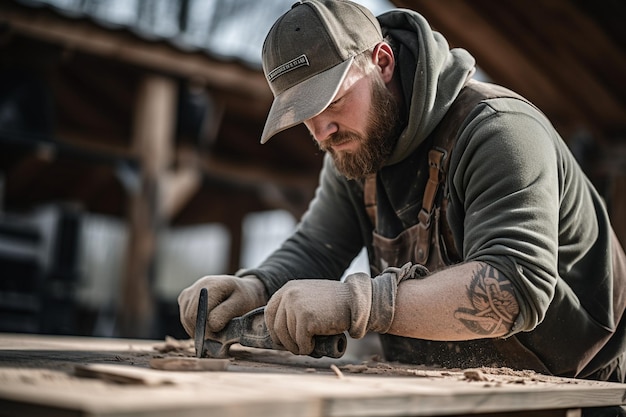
x=304 y=100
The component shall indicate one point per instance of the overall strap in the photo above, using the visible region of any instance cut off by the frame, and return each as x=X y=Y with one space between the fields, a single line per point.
x=369 y=197
x=444 y=138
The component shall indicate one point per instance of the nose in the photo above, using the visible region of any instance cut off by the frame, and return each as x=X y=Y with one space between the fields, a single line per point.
x=321 y=127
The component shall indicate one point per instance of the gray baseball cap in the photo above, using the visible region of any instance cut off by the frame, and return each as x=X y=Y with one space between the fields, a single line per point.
x=307 y=54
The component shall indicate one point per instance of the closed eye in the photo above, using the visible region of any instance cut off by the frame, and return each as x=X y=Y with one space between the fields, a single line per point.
x=334 y=103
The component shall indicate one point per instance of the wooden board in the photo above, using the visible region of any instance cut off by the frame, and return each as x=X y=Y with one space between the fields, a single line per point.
x=38 y=377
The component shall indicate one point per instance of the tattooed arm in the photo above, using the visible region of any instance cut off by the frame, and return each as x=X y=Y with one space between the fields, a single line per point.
x=464 y=302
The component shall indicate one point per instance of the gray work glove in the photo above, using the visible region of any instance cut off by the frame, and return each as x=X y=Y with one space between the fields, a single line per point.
x=228 y=297
x=302 y=309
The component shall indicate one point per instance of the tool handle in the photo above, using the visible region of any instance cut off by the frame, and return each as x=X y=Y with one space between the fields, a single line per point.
x=250 y=330
x=332 y=346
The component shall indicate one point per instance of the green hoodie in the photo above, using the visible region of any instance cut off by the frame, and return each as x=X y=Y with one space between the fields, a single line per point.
x=517 y=201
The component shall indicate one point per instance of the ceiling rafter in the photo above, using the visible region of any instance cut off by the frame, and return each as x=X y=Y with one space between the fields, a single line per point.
x=554 y=52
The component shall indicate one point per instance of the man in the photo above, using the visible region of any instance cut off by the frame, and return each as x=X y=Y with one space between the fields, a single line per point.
x=488 y=244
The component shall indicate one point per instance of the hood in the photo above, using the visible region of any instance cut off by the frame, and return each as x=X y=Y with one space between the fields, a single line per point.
x=431 y=75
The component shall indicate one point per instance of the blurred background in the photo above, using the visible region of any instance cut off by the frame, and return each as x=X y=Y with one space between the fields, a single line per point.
x=130 y=162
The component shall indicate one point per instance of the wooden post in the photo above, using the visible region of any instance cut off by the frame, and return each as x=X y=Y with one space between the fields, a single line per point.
x=153 y=137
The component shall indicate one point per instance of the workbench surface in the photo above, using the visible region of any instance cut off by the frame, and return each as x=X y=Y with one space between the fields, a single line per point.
x=45 y=376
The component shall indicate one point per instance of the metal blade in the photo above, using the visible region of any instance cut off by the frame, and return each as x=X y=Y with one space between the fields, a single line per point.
x=201 y=322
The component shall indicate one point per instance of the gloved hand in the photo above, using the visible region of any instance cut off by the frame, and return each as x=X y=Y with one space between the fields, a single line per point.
x=229 y=297
x=302 y=309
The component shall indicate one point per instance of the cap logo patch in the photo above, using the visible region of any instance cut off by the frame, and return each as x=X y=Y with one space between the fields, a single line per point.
x=301 y=61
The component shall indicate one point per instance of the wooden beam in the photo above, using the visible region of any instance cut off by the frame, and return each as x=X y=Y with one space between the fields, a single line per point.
x=152 y=143
x=26 y=171
x=251 y=174
x=569 y=58
x=178 y=189
x=557 y=66
x=464 y=26
x=86 y=36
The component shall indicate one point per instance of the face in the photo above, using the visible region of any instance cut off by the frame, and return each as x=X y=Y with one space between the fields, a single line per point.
x=360 y=126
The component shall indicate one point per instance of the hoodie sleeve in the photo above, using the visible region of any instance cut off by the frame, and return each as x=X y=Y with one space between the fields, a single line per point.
x=326 y=240
x=506 y=187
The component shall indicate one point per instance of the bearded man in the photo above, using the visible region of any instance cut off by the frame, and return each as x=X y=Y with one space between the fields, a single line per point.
x=487 y=243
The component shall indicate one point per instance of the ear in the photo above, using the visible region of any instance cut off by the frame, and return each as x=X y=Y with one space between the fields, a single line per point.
x=383 y=58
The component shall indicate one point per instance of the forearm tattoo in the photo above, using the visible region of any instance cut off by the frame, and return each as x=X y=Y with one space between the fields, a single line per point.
x=494 y=302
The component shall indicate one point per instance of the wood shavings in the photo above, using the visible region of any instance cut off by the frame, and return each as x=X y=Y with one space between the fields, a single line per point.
x=381 y=368
x=337 y=371
x=355 y=369
x=176 y=347
x=474 y=375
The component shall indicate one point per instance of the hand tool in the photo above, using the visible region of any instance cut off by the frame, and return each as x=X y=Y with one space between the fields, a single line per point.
x=201 y=317
x=250 y=330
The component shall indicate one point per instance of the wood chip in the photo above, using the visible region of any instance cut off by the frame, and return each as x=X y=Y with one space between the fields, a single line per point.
x=355 y=369
x=474 y=375
x=172 y=345
x=337 y=371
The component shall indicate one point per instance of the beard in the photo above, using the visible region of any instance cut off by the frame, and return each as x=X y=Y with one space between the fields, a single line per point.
x=375 y=147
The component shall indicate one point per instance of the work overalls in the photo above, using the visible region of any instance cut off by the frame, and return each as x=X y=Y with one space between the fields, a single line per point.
x=430 y=243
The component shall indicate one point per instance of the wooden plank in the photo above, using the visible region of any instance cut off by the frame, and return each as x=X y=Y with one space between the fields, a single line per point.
x=380 y=389
x=575 y=412
x=122 y=374
x=189 y=364
x=315 y=395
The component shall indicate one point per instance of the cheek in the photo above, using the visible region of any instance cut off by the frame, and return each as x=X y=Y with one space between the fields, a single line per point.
x=358 y=115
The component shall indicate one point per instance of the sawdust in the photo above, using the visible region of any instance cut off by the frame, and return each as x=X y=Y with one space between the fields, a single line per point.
x=391 y=369
x=9 y=376
x=57 y=364
x=282 y=361
x=56 y=367
x=487 y=375
x=38 y=379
